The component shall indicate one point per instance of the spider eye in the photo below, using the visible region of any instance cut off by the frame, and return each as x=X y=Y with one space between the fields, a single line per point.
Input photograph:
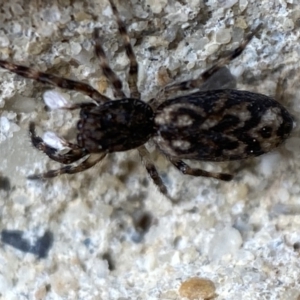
x=55 y=100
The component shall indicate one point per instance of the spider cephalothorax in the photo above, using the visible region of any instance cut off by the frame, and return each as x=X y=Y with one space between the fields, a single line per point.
x=118 y=125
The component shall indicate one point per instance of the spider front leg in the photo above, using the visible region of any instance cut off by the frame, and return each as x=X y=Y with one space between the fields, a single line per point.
x=168 y=91
x=106 y=69
x=61 y=82
x=73 y=155
x=187 y=170
x=93 y=159
x=133 y=65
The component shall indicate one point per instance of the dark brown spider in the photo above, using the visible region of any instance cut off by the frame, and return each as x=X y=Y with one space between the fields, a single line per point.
x=218 y=125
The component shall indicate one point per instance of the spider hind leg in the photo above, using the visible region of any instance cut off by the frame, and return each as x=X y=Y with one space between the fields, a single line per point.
x=187 y=170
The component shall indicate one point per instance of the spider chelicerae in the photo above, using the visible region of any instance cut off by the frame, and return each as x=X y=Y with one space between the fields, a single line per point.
x=107 y=125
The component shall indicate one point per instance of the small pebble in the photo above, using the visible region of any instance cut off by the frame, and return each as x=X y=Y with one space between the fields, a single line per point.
x=4 y=41
x=243 y=4
x=288 y=25
x=225 y=242
x=197 y=288
x=156 y=6
x=223 y=36
x=163 y=77
x=227 y=3
x=102 y=84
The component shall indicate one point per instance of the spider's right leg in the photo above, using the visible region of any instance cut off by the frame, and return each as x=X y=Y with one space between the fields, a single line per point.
x=151 y=169
x=73 y=155
x=106 y=69
x=168 y=91
x=54 y=80
x=133 y=65
x=93 y=159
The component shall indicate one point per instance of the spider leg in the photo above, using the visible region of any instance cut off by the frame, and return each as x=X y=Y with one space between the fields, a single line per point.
x=54 y=80
x=93 y=159
x=106 y=69
x=73 y=155
x=78 y=106
x=133 y=65
x=151 y=169
x=282 y=86
x=196 y=83
x=187 y=170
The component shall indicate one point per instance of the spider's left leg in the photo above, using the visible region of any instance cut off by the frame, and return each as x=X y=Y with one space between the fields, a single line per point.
x=151 y=169
x=93 y=159
x=73 y=155
x=187 y=170
x=196 y=83
x=133 y=65
x=61 y=82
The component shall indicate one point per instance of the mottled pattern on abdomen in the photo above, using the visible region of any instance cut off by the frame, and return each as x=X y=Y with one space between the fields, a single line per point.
x=221 y=125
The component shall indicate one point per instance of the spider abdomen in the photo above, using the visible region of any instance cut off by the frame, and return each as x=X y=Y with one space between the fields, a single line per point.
x=115 y=126
x=221 y=125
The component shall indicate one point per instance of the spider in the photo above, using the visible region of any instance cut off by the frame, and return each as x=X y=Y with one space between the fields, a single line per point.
x=217 y=125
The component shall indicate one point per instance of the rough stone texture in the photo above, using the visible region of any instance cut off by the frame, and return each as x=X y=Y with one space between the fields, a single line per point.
x=115 y=236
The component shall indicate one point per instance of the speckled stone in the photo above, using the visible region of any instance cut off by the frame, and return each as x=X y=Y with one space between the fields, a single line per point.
x=242 y=234
x=197 y=288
